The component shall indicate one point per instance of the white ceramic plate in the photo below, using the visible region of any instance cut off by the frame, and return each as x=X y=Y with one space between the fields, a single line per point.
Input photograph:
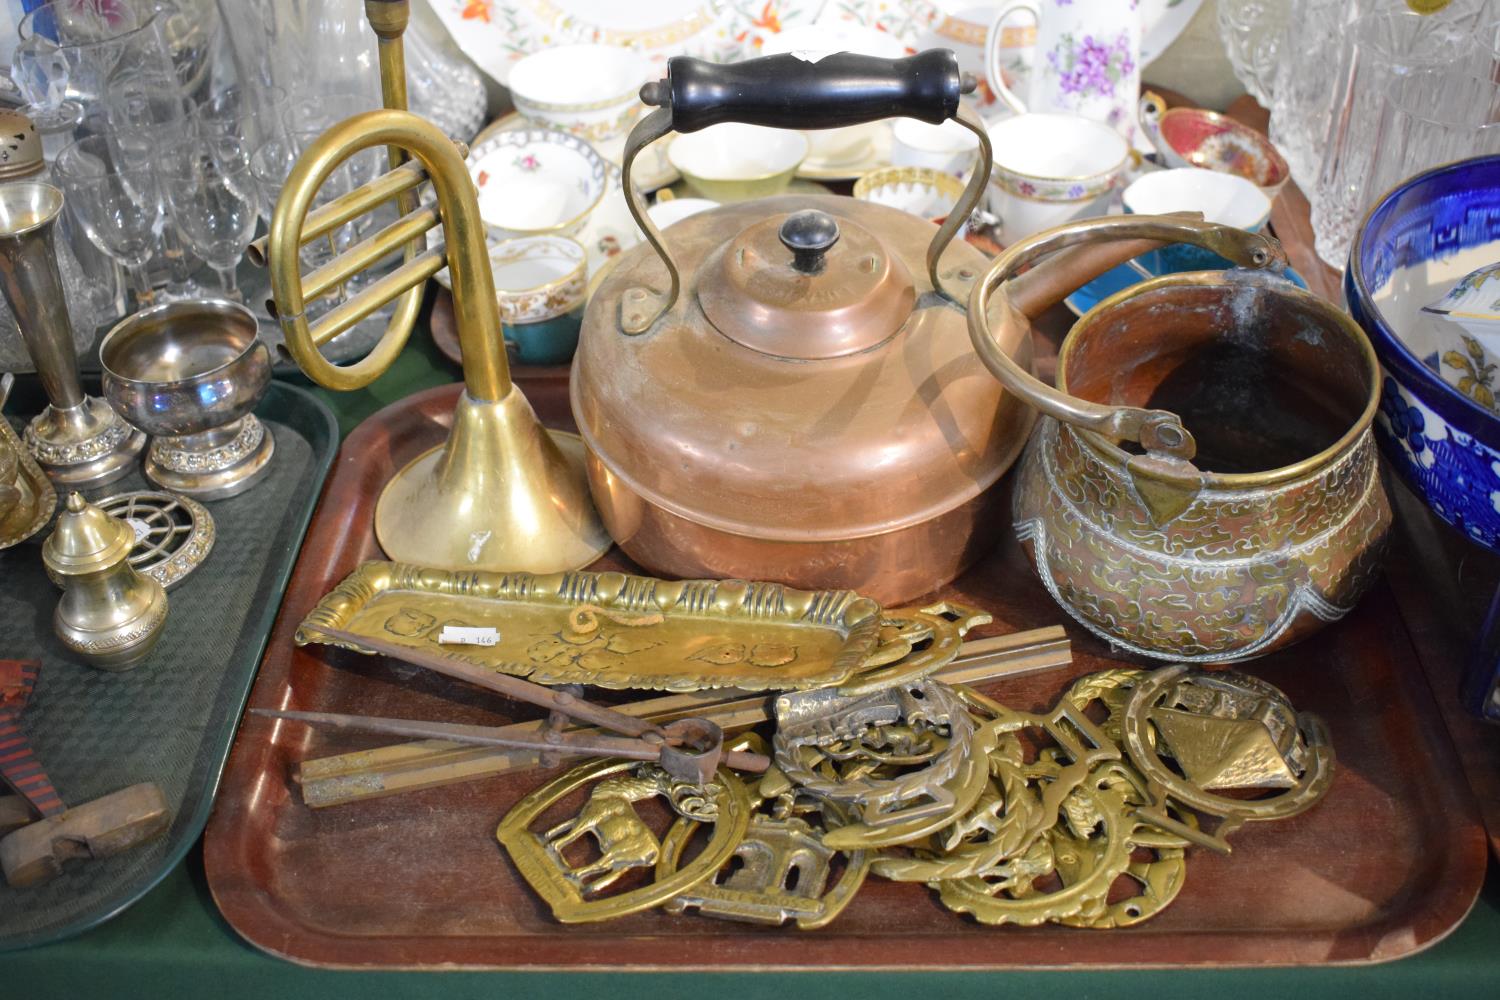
x=498 y=33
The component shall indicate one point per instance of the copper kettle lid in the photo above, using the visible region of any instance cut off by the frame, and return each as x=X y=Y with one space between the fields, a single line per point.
x=876 y=414
x=806 y=285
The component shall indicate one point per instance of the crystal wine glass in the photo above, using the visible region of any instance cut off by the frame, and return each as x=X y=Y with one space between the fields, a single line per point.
x=117 y=202
x=148 y=111
x=212 y=199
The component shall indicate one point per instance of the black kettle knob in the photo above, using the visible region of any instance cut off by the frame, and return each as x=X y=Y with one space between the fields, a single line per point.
x=809 y=235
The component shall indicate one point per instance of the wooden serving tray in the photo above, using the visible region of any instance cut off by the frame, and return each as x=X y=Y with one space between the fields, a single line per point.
x=1387 y=864
x=1447 y=583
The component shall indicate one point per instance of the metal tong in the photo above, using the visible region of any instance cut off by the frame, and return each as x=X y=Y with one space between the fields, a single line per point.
x=689 y=749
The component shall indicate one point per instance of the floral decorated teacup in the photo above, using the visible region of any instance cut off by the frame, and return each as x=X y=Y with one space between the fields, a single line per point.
x=541 y=283
x=1087 y=61
x=1193 y=137
x=589 y=90
x=1049 y=169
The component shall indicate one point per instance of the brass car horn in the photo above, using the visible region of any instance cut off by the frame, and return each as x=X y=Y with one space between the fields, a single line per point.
x=501 y=494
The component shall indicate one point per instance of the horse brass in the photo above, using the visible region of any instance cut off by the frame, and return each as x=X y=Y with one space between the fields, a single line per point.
x=786 y=870
x=622 y=837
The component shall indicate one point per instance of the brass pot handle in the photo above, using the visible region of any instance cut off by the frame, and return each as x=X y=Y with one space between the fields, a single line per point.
x=788 y=91
x=1158 y=431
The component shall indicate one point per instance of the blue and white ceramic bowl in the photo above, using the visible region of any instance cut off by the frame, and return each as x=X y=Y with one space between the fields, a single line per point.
x=1418 y=240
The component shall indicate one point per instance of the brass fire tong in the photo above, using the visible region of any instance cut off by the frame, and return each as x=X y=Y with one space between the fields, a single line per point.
x=689 y=749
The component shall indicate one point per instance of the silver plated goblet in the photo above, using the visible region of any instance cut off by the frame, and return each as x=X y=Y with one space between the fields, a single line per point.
x=190 y=374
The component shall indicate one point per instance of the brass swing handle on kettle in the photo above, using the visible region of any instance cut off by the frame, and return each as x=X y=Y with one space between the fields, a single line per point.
x=1158 y=431
x=789 y=91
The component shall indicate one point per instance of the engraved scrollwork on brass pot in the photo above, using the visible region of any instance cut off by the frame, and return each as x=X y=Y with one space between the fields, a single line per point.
x=1203 y=486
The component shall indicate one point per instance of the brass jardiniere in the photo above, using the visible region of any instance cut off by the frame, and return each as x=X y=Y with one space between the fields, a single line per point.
x=1279 y=526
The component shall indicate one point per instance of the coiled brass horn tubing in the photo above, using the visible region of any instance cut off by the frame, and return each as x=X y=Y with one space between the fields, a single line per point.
x=370 y=298
x=348 y=207
x=372 y=248
x=486 y=373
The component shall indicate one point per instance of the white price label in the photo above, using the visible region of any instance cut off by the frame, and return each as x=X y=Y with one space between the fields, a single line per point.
x=466 y=635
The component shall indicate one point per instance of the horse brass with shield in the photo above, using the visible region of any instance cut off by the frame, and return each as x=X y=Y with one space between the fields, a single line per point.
x=623 y=838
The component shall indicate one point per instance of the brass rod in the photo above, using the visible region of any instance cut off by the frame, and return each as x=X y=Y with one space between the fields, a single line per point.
x=571 y=744
x=511 y=687
x=376 y=294
x=367 y=251
x=348 y=207
x=403 y=767
x=388 y=19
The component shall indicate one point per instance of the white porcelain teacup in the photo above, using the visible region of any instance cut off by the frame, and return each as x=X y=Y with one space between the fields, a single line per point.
x=948 y=147
x=1226 y=199
x=836 y=146
x=592 y=91
x=1049 y=169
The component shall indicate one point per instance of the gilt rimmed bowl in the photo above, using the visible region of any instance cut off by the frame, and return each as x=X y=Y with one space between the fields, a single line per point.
x=535 y=180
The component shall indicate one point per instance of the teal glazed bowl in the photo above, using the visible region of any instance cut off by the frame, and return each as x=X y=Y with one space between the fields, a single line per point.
x=548 y=342
x=541 y=283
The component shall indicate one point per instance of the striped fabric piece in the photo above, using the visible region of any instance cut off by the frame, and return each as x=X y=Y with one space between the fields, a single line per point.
x=18 y=766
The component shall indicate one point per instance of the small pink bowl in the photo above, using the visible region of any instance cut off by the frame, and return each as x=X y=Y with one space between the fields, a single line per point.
x=1193 y=137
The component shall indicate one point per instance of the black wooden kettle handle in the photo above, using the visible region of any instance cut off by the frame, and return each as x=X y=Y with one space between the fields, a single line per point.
x=789 y=91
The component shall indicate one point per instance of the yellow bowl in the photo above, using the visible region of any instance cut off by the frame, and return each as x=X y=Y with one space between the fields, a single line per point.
x=736 y=162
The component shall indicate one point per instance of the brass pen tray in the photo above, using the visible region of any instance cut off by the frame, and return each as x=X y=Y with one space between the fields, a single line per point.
x=610 y=630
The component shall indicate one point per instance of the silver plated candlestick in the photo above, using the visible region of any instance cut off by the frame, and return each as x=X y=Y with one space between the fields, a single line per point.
x=77 y=439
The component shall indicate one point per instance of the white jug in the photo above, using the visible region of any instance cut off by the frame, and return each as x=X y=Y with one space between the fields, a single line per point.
x=1087 y=60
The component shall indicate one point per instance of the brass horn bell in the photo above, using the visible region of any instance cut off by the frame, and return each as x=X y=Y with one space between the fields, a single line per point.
x=502 y=493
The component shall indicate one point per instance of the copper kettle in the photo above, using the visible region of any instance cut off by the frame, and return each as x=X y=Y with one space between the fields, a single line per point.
x=784 y=389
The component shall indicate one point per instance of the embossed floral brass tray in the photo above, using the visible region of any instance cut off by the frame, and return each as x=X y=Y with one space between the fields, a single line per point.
x=612 y=630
